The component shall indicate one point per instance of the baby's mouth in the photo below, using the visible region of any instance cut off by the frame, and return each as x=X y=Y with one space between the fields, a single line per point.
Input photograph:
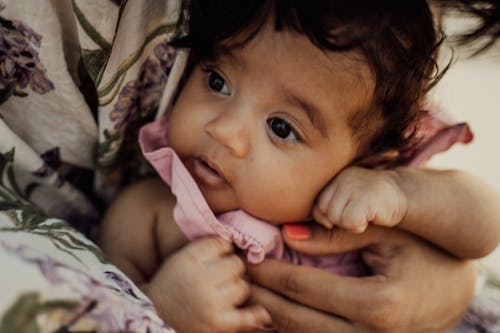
x=208 y=166
x=207 y=174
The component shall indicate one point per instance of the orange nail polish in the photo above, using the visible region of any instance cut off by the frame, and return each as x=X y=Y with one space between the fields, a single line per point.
x=297 y=231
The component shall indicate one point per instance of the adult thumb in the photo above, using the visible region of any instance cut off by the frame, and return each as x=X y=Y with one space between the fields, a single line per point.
x=314 y=239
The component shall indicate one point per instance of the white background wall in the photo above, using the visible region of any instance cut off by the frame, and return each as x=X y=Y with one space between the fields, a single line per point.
x=470 y=91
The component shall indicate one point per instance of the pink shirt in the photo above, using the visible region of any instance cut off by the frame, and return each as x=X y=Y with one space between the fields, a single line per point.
x=258 y=238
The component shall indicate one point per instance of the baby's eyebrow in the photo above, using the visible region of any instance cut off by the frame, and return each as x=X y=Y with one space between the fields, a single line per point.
x=226 y=55
x=312 y=111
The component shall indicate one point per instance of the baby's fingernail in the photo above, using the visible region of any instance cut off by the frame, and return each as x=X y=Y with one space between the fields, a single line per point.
x=297 y=231
x=264 y=319
x=326 y=223
x=267 y=327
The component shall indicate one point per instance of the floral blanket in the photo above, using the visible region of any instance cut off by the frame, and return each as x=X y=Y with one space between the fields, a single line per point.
x=76 y=77
x=56 y=280
x=77 y=80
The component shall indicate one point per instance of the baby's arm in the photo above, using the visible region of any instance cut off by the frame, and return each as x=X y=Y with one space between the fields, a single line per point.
x=195 y=287
x=449 y=208
x=131 y=229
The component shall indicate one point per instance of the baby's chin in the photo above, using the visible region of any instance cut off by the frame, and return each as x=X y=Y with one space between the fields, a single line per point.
x=276 y=217
x=220 y=204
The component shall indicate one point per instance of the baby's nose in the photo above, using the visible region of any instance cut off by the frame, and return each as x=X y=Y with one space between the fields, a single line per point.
x=230 y=130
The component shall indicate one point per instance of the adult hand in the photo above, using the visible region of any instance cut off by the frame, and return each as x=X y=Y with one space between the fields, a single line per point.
x=415 y=287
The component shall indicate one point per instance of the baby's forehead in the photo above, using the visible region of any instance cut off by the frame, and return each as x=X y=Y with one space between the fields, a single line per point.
x=351 y=84
x=348 y=79
x=348 y=71
x=340 y=84
x=344 y=70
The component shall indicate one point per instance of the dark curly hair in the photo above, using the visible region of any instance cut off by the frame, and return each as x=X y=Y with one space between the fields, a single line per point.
x=487 y=30
x=397 y=38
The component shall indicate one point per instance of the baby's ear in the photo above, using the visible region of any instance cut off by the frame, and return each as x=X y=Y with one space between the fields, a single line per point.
x=376 y=160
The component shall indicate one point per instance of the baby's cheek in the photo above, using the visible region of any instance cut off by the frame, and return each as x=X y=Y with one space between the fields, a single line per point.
x=177 y=141
x=279 y=206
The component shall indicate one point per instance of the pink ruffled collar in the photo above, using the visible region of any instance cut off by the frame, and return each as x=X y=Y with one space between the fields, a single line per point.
x=193 y=215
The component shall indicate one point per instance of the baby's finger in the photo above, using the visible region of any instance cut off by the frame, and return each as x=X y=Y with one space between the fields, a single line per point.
x=354 y=217
x=206 y=249
x=229 y=267
x=249 y=317
x=336 y=208
x=324 y=198
x=320 y=218
x=237 y=292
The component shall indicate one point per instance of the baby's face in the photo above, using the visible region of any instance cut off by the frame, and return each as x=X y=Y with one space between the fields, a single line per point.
x=265 y=127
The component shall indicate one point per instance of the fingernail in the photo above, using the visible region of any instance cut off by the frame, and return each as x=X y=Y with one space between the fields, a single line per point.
x=267 y=327
x=265 y=320
x=326 y=223
x=297 y=231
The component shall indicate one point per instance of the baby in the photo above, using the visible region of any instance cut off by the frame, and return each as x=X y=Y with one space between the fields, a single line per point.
x=272 y=122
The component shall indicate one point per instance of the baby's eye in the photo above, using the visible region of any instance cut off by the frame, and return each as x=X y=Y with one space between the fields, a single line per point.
x=282 y=129
x=217 y=83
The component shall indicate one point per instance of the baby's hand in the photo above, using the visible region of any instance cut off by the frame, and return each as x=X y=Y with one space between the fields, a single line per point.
x=201 y=288
x=357 y=196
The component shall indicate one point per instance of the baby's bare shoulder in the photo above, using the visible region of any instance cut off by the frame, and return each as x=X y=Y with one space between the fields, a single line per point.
x=159 y=201
x=152 y=190
x=136 y=229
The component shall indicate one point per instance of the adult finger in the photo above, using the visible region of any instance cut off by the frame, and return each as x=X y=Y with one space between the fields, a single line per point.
x=291 y=317
x=340 y=295
x=322 y=241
